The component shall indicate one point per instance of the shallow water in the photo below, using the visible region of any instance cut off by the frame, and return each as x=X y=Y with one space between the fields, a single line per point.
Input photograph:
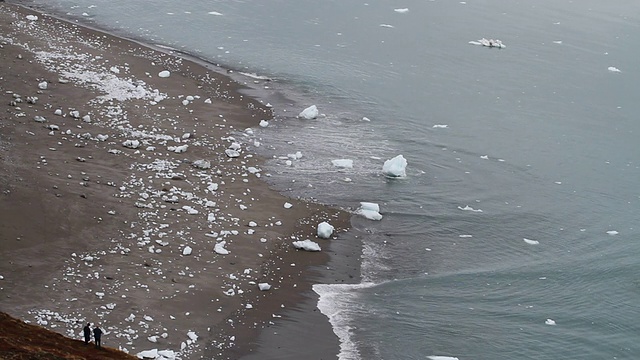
x=540 y=136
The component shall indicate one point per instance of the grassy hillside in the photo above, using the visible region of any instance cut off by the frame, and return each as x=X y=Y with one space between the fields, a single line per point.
x=21 y=341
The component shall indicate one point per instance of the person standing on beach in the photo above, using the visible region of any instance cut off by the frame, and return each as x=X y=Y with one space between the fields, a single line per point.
x=97 y=333
x=87 y=333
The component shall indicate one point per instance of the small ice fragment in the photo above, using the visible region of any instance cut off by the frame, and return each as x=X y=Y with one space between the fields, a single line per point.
x=264 y=286
x=187 y=250
x=288 y=205
x=32 y=18
x=401 y=11
x=164 y=74
x=613 y=69
x=325 y=230
x=531 y=242
x=309 y=113
x=219 y=248
x=469 y=208
x=440 y=126
x=264 y=123
x=612 y=232
x=306 y=245
x=343 y=163
x=550 y=322
x=43 y=85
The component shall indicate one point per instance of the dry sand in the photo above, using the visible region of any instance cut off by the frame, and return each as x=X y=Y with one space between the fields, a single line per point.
x=94 y=231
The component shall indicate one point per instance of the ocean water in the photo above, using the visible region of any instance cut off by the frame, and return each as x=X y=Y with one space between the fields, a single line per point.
x=539 y=138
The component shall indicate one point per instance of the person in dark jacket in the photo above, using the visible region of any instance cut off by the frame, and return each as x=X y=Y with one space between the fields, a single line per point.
x=97 y=333
x=87 y=333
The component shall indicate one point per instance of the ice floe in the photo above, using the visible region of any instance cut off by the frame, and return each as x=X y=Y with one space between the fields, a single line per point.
x=369 y=210
x=613 y=69
x=395 y=167
x=401 y=10
x=306 y=245
x=343 y=163
x=489 y=43
x=612 y=232
x=469 y=208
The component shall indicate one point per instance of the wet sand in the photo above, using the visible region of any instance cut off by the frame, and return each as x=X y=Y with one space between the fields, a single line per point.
x=119 y=184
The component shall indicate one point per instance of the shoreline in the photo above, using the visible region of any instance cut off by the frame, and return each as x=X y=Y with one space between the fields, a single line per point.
x=152 y=254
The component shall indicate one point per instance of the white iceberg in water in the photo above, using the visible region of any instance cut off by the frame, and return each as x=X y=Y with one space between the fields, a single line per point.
x=343 y=163
x=395 y=167
x=325 y=230
x=309 y=113
x=306 y=245
x=369 y=210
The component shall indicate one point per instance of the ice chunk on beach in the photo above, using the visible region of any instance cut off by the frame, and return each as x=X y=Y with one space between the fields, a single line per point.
x=288 y=205
x=369 y=210
x=178 y=149
x=232 y=153
x=164 y=74
x=32 y=18
x=219 y=248
x=131 y=144
x=343 y=163
x=148 y=354
x=187 y=250
x=395 y=167
x=309 y=113
x=202 y=164
x=264 y=286
x=306 y=245
x=613 y=69
x=264 y=123
x=325 y=230
x=43 y=85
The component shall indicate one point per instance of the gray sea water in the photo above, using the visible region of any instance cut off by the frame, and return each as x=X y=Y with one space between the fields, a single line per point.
x=541 y=136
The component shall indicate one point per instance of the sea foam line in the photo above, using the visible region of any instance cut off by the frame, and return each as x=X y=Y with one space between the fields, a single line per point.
x=336 y=302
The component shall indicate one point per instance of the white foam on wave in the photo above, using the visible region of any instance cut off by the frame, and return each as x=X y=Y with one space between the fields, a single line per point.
x=335 y=302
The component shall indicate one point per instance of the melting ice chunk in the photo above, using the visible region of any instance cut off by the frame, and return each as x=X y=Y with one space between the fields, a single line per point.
x=395 y=167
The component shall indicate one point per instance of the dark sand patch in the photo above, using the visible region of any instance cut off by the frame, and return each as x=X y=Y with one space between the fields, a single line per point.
x=95 y=231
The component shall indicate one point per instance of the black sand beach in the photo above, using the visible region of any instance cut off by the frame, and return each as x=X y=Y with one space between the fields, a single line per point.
x=117 y=186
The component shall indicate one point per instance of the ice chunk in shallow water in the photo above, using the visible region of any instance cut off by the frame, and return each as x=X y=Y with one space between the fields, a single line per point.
x=369 y=210
x=187 y=251
x=219 y=248
x=325 y=230
x=306 y=245
x=395 y=167
x=164 y=74
x=309 y=113
x=343 y=163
